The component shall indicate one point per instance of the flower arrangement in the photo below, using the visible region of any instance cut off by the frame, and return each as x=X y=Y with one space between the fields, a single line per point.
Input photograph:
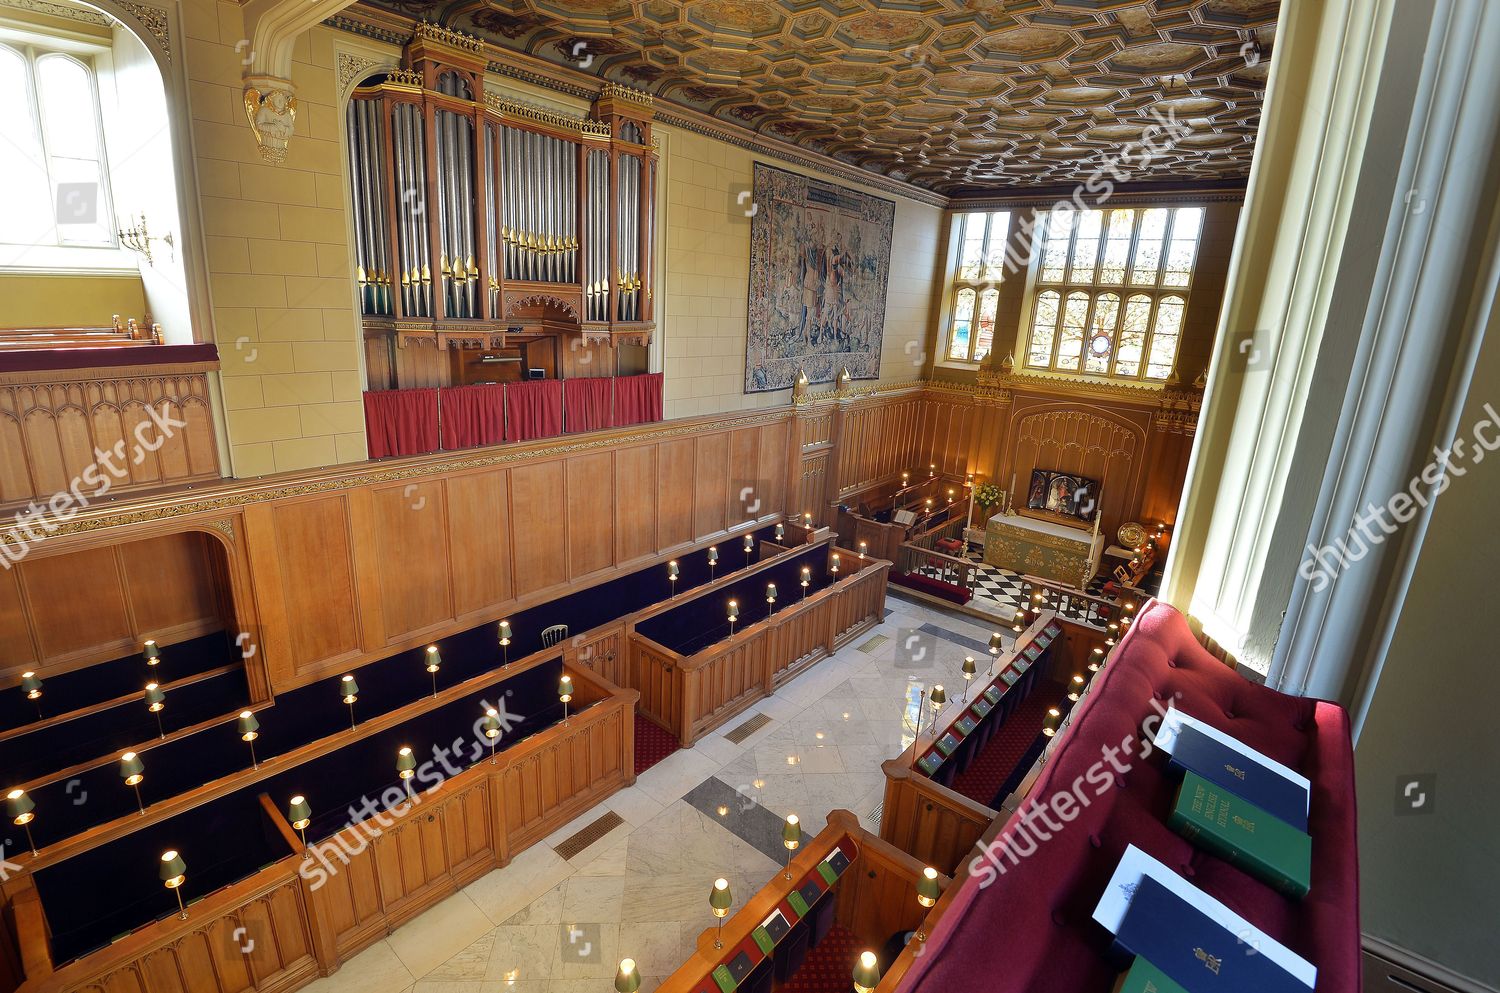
x=987 y=495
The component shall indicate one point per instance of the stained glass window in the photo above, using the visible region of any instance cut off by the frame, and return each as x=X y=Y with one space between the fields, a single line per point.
x=981 y=262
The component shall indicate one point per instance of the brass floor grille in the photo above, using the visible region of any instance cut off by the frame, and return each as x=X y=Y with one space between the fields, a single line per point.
x=873 y=643
x=746 y=729
x=570 y=847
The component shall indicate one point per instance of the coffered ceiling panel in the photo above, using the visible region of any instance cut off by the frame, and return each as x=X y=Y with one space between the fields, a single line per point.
x=952 y=95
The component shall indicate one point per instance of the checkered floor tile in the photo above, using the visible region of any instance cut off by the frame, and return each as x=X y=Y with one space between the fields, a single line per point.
x=1002 y=586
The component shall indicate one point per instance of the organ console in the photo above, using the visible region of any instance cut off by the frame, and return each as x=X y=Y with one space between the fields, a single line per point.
x=476 y=215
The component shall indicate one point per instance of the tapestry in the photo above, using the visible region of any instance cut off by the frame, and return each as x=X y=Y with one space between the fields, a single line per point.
x=820 y=256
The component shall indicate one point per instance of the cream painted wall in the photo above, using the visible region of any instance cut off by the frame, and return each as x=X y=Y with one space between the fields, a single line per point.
x=278 y=258
x=40 y=300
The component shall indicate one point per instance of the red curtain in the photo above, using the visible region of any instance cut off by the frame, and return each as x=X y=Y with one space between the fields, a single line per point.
x=638 y=399
x=586 y=404
x=473 y=415
x=533 y=410
x=401 y=422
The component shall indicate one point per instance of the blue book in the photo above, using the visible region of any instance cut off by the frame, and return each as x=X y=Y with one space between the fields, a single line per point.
x=1232 y=772
x=1193 y=949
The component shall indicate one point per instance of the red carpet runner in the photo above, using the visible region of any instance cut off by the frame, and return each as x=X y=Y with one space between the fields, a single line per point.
x=991 y=768
x=829 y=968
x=652 y=744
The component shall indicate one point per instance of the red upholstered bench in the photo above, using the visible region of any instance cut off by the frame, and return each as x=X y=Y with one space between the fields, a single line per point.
x=950 y=546
x=1030 y=929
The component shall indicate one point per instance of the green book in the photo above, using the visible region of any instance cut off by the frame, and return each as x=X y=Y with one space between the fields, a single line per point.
x=798 y=904
x=1242 y=834
x=1144 y=977
x=763 y=940
x=724 y=978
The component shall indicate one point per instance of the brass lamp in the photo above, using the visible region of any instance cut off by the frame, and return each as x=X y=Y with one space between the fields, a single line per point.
x=300 y=814
x=780 y=532
x=806 y=580
x=713 y=560
x=491 y=727
x=156 y=701
x=349 y=690
x=1096 y=659
x=791 y=837
x=628 y=979
x=864 y=546
x=807 y=520
x=928 y=891
x=31 y=683
x=996 y=644
x=406 y=767
x=749 y=549
x=21 y=809
x=1051 y=722
x=133 y=772
x=565 y=694
x=734 y=615
x=249 y=729
x=173 y=873
x=866 y=973
x=968 y=671
x=434 y=663
x=938 y=697
x=151 y=653
x=719 y=901
x=672 y=575
x=505 y=639
x=1075 y=687
x=834 y=565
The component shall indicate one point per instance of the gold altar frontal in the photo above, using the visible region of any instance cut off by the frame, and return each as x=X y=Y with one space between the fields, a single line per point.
x=1040 y=548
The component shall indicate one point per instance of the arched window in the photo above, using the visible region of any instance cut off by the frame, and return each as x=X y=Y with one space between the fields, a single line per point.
x=980 y=263
x=52 y=151
x=1150 y=253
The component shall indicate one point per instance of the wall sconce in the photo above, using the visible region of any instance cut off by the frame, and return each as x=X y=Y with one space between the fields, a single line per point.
x=21 y=809
x=133 y=772
x=138 y=239
x=434 y=663
x=719 y=901
x=173 y=874
x=349 y=690
x=249 y=729
x=505 y=639
x=300 y=814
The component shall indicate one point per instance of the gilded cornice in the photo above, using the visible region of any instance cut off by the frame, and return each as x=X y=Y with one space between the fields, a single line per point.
x=509 y=107
x=853 y=392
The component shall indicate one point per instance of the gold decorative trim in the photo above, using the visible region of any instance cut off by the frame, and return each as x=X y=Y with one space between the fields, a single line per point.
x=80 y=14
x=508 y=107
x=183 y=507
x=352 y=67
x=224 y=525
x=428 y=31
x=852 y=392
x=154 y=20
x=406 y=79
x=615 y=91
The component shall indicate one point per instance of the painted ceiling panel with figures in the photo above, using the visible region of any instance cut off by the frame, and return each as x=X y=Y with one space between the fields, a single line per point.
x=952 y=95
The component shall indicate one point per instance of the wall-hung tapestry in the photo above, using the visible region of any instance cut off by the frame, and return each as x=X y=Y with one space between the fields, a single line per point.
x=820 y=256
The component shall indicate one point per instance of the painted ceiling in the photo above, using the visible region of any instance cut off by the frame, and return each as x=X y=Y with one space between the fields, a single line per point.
x=952 y=95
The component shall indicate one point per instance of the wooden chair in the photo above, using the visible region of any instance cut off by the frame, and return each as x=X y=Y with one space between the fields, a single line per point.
x=554 y=634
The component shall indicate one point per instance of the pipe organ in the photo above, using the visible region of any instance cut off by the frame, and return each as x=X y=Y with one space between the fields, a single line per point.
x=476 y=217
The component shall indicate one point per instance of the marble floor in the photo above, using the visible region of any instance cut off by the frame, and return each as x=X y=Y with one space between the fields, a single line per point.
x=549 y=924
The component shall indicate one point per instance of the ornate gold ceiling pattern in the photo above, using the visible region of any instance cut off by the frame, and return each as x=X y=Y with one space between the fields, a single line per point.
x=953 y=95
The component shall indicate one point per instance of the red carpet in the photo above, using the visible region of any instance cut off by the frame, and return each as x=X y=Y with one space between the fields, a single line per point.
x=829 y=968
x=992 y=768
x=652 y=744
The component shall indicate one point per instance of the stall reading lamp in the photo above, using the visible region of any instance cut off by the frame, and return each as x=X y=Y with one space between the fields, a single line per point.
x=937 y=698
x=672 y=573
x=866 y=973
x=931 y=469
x=835 y=566
x=349 y=690
x=1096 y=660
x=133 y=772
x=734 y=615
x=434 y=663
x=719 y=901
x=505 y=637
x=21 y=809
x=491 y=728
x=771 y=595
x=791 y=837
x=806 y=580
x=996 y=644
x=807 y=520
x=928 y=892
x=151 y=653
x=300 y=814
x=904 y=477
x=780 y=532
x=864 y=546
x=628 y=979
x=1051 y=722
x=565 y=694
x=406 y=767
x=156 y=701
x=249 y=731
x=749 y=549
x=1075 y=687
x=713 y=560
x=968 y=671
x=173 y=874
x=32 y=684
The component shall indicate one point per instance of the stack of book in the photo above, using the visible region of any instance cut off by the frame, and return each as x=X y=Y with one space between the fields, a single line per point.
x=1238 y=804
x=1185 y=941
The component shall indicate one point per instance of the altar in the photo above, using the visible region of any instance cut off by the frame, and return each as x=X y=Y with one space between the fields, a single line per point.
x=1048 y=549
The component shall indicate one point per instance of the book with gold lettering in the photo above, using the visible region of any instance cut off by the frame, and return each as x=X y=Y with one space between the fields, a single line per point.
x=1238 y=771
x=1143 y=977
x=1242 y=834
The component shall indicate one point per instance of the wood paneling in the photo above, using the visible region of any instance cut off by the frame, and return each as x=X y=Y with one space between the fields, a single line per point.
x=539 y=530
x=479 y=510
x=591 y=528
x=675 y=493
x=62 y=612
x=52 y=423
x=410 y=530
x=313 y=553
x=711 y=484
x=934 y=824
